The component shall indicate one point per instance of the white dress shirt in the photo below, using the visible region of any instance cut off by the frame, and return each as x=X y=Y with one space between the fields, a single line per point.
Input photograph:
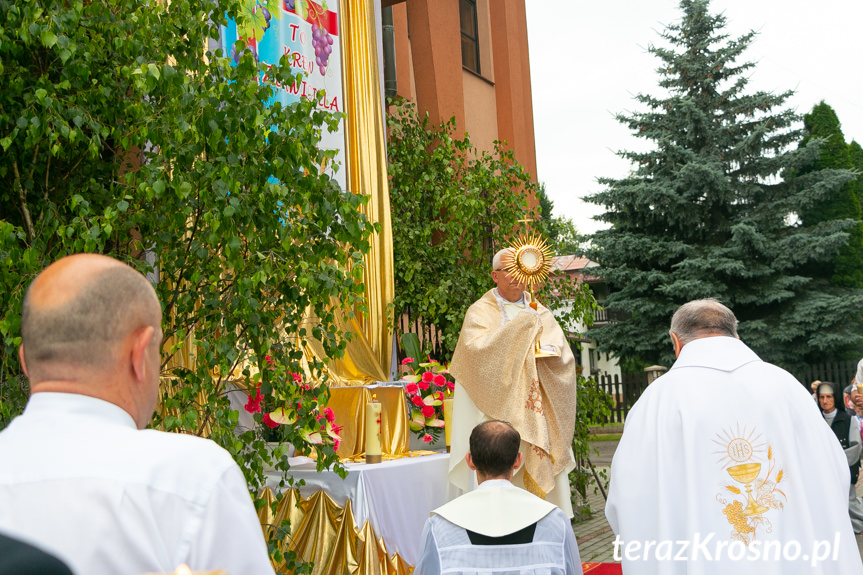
x=447 y=548
x=78 y=479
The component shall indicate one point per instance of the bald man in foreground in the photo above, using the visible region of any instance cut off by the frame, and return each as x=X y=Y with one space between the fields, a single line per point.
x=80 y=477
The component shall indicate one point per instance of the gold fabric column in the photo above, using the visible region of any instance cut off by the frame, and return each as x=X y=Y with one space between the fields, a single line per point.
x=365 y=150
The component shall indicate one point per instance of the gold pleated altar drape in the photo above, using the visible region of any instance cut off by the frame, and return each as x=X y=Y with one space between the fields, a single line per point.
x=324 y=532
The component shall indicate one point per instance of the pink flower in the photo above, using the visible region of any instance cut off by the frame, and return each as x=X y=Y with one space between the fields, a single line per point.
x=254 y=403
x=297 y=377
x=428 y=438
x=269 y=359
x=407 y=360
x=412 y=388
x=428 y=377
x=336 y=442
x=428 y=411
x=439 y=380
x=423 y=385
x=418 y=401
x=328 y=413
x=438 y=395
x=269 y=421
x=450 y=386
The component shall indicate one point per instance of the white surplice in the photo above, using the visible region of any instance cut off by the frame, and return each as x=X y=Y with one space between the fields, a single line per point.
x=726 y=466
x=497 y=508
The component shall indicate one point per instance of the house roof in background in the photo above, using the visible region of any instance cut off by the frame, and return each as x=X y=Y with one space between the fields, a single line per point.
x=571 y=263
x=575 y=265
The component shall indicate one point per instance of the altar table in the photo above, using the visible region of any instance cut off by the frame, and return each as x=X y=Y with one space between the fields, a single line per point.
x=395 y=496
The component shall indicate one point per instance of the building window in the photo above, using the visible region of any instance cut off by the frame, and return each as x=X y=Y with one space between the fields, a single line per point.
x=469 y=36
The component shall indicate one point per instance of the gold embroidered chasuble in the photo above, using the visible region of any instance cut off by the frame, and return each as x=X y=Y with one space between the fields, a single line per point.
x=494 y=362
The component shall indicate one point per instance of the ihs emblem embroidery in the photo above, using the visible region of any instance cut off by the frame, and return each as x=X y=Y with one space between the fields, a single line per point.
x=754 y=490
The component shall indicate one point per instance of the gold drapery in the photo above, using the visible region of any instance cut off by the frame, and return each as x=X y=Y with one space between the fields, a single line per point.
x=369 y=353
x=367 y=357
x=359 y=365
x=328 y=535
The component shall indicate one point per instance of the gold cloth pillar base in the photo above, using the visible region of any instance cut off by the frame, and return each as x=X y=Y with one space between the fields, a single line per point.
x=374 y=458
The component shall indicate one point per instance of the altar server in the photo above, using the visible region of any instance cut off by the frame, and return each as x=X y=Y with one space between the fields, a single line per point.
x=726 y=466
x=80 y=477
x=497 y=528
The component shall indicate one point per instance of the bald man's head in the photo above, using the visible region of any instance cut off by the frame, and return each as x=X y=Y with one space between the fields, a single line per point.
x=494 y=448
x=78 y=310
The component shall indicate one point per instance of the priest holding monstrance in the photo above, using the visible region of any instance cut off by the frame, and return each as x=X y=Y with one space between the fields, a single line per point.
x=513 y=363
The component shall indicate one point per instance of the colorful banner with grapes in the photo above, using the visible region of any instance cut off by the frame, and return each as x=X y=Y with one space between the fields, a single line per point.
x=308 y=34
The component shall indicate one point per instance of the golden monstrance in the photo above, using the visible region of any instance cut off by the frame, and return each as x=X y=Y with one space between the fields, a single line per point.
x=530 y=264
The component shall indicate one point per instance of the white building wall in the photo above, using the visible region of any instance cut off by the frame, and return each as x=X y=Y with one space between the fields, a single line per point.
x=592 y=360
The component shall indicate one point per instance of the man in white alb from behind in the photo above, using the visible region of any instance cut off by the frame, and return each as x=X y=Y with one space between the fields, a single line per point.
x=726 y=466
x=497 y=528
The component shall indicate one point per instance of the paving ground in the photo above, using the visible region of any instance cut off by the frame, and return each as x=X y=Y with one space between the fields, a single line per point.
x=595 y=537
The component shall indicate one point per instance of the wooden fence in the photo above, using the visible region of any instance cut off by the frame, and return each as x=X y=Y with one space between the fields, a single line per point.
x=626 y=390
x=428 y=335
x=623 y=390
x=840 y=372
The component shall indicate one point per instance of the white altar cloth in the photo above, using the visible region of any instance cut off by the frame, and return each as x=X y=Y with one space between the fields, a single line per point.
x=395 y=496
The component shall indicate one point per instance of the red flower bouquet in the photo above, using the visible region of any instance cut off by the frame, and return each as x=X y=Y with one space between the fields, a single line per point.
x=313 y=425
x=428 y=384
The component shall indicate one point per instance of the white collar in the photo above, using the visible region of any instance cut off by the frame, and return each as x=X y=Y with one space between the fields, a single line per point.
x=720 y=352
x=494 y=484
x=52 y=404
x=505 y=301
x=495 y=508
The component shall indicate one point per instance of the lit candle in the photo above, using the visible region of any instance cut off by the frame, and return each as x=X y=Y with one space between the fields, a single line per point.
x=373 y=431
x=447 y=421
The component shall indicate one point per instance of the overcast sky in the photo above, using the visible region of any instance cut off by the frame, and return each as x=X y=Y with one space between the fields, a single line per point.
x=588 y=60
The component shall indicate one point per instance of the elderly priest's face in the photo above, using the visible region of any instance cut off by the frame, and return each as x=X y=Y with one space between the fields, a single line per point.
x=507 y=286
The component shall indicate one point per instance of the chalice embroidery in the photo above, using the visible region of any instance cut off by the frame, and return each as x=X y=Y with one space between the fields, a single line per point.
x=750 y=496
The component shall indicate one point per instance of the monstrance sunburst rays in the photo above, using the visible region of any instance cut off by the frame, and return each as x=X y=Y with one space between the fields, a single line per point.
x=531 y=259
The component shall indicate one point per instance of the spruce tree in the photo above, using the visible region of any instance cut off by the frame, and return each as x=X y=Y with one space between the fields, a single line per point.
x=705 y=213
x=846 y=269
x=855 y=154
